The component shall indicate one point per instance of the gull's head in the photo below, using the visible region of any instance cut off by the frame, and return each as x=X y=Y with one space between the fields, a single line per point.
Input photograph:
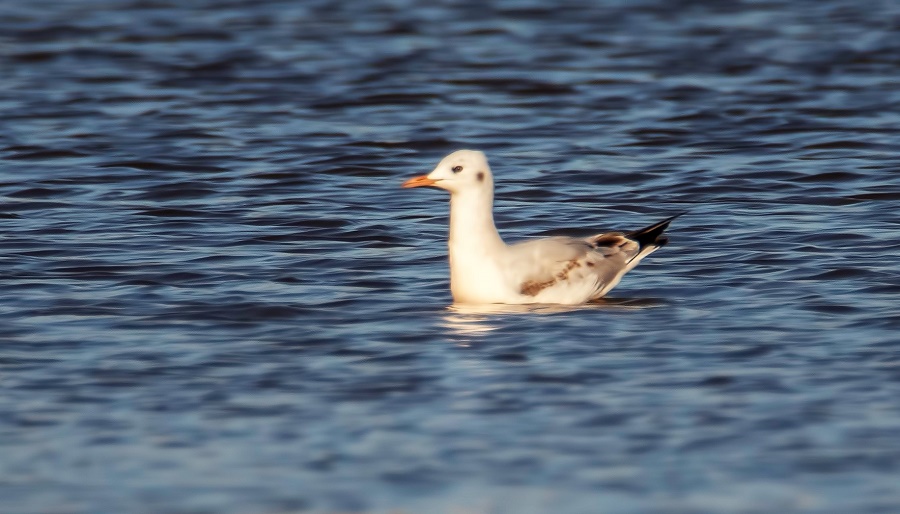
x=463 y=170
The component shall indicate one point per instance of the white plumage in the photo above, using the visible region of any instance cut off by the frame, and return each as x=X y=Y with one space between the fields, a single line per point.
x=560 y=270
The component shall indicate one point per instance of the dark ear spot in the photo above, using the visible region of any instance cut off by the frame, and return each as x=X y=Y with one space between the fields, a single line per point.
x=480 y=176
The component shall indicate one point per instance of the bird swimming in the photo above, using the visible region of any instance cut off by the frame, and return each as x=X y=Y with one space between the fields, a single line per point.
x=552 y=270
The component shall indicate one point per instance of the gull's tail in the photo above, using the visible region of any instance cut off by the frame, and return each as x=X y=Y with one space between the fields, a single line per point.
x=648 y=240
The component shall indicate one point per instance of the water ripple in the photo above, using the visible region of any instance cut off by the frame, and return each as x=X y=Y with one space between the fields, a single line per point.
x=216 y=298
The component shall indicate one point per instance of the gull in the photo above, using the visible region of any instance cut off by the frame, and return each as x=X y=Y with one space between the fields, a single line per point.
x=552 y=270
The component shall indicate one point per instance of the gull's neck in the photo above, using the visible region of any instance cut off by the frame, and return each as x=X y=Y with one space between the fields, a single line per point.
x=476 y=250
x=472 y=222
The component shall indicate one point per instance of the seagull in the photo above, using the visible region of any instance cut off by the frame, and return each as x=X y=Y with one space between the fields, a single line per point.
x=553 y=270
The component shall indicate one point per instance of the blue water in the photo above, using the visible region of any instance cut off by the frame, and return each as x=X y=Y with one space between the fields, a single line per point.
x=214 y=297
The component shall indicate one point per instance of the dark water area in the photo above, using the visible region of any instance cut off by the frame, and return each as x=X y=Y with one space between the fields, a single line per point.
x=214 y=297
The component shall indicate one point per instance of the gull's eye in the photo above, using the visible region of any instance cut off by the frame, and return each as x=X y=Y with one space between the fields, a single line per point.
x=457 y=169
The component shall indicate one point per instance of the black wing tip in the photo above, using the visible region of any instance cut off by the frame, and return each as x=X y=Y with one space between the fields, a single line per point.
x=652 y=235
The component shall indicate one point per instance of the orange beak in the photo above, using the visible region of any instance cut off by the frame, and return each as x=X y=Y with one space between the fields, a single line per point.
x=420 y=181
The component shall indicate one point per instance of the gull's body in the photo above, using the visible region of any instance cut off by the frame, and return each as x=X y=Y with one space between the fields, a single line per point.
x=561 y=270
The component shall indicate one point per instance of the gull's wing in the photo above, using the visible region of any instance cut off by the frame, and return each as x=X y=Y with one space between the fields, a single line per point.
x=561 y=263
x=557 y=267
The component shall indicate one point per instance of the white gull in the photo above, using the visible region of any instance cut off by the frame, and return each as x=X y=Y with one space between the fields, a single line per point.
x=553 y=270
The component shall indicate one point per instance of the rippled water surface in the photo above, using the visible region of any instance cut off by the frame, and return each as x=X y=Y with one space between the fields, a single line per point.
x=216 y=299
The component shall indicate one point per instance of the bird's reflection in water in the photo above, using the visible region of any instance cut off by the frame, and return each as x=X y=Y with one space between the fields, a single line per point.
x=473 y=321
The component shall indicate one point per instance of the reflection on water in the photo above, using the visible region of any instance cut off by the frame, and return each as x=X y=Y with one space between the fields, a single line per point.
x=466 y=327
x=537 y=308
x=496 y=308
x=471 y=320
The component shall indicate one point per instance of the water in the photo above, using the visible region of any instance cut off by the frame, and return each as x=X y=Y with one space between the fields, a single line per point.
x=215 y=297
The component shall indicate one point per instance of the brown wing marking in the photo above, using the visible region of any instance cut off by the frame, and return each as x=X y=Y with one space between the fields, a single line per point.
x=533 y=287
x=611 y=240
